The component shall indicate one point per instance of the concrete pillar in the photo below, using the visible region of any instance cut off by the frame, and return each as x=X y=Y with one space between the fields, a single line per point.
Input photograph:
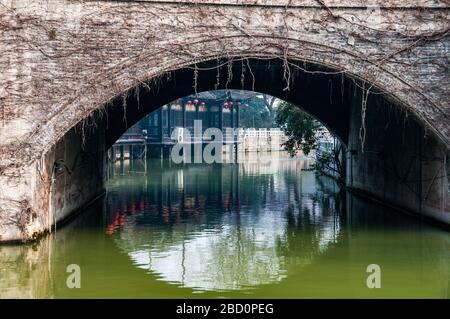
x=160 y=124
x=68 y=177
x=399 y=164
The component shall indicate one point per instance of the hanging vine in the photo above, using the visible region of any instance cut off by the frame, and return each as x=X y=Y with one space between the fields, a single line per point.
x=362 y=129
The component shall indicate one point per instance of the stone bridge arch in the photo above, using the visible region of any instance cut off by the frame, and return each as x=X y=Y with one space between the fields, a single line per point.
x=64 y=61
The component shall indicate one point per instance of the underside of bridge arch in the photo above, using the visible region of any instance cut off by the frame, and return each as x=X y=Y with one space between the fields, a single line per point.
x=391 y=154
x=321 y=92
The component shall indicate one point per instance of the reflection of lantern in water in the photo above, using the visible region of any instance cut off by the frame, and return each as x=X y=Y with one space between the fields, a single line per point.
x=122 y=219
x=110 y=229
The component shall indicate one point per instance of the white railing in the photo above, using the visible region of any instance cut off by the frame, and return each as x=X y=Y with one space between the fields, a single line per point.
x=262 y=132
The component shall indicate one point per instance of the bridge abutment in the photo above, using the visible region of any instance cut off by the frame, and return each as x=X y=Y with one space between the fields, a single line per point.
x=48 y=192
x=394 y=160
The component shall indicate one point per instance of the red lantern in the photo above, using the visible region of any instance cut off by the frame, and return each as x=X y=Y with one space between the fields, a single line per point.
x=195 y=101
x=189 y=102
x=238 y=103
x=225 y=104
x=179 y=99
x=203 y=104
x=246 y=106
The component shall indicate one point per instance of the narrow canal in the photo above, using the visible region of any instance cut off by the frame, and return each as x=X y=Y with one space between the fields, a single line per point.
x=270 y=229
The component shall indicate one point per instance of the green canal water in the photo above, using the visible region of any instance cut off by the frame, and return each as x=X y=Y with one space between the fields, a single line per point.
x=249 y=230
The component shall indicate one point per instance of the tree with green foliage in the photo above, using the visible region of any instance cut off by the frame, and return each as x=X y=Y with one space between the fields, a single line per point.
x=304 y=133
x=258 y=112
x=330 y=163
x=300 y=128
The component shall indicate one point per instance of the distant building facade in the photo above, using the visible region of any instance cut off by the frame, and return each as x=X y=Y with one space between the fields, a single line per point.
x=167 y=125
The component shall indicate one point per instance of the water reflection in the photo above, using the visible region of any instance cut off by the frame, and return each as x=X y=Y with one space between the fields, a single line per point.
x=195 y=228
x=254 y=229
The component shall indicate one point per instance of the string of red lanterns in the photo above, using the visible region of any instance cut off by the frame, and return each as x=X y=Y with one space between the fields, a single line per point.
x=225 y=104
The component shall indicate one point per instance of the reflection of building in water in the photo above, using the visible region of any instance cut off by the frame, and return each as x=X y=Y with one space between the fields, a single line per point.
x=271 y=163
x=25 y=272
x=190 y=225
x=218 y=259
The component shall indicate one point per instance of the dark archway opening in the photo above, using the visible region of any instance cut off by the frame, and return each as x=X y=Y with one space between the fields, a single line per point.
x=324 y=93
